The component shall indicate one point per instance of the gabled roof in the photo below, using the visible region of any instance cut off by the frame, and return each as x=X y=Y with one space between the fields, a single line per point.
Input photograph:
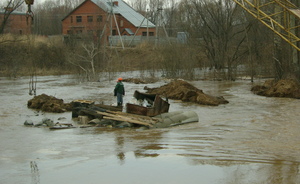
x=123 y=9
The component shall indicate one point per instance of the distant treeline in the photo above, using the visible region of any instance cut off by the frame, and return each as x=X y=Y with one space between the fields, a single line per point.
x=221 y=37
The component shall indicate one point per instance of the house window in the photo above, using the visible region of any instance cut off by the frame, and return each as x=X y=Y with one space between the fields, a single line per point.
x=69 y=32
x=150 y=33
x=78 y=18
x=99 y=18
x=90 y=18
x=114 y=32
x=71 y=19
x=90 y=32
x=20 y=32
x=79 y=31
x=121 y=23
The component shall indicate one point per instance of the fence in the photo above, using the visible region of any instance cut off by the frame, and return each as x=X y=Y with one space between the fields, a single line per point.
x=133 y=41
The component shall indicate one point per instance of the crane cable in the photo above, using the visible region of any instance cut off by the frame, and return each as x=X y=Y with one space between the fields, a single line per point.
x=33 y=77
x=29 y=13
x=32 y=84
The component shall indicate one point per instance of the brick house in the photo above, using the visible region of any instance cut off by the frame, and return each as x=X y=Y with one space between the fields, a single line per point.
x=17 y=22
x=94 y=18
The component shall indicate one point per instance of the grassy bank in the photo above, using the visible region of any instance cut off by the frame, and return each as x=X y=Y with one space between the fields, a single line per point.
x=27 y=55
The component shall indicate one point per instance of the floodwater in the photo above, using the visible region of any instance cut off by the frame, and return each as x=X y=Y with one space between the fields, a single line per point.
x=253 y=139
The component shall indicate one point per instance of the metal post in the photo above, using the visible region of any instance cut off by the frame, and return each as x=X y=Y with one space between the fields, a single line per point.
x=119 y=31
x=147 y=25
x=137 y=31
x=157 y=22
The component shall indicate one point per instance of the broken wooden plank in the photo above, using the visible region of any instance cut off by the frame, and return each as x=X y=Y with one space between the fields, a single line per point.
x=155 y=120
x=128 y=118
x=139 y=118
x=105 y=113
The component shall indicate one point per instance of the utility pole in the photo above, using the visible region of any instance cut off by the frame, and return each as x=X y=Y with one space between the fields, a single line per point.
x=161 y=23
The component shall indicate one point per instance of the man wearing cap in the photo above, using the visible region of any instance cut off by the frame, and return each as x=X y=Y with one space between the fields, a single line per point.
x=119 y=91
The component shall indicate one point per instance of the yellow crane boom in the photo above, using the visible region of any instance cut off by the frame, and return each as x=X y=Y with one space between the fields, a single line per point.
x=278 y=15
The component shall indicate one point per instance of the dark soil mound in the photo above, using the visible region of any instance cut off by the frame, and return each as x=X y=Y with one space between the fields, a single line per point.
x=48 y=104
x=182 y=90
x=284 y=88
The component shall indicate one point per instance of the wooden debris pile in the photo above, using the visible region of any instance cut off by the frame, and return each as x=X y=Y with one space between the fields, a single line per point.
x=130 y=118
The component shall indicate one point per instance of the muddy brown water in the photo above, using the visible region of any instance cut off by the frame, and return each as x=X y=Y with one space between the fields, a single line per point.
x=253 y=139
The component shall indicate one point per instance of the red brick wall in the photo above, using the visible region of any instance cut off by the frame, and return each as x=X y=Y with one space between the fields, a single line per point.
x=88 y=8
x=17 y=24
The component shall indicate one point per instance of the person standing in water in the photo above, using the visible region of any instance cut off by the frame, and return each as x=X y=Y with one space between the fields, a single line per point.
x=119 y=91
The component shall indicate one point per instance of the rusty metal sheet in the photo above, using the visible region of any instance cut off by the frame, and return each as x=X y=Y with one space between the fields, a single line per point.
x=159 y=105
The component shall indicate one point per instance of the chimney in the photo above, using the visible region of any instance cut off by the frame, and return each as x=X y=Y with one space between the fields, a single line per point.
x=116 y=3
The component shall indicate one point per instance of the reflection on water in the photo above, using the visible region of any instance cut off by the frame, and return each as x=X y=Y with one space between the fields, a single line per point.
x=252 y=139
x=35 y=175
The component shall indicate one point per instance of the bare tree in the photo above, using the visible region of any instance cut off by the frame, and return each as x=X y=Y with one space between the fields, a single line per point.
x=85 y=59
x=48 y=15
x=9 y=7
x=218 y=24
x=154 y=7
x=170 y=16
x=139 y=5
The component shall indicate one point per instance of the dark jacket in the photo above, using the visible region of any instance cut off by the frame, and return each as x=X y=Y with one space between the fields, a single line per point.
x=119 y=89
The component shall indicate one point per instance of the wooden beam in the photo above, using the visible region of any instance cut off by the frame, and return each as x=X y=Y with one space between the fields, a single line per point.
x=136 y=116
x=131 y=118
